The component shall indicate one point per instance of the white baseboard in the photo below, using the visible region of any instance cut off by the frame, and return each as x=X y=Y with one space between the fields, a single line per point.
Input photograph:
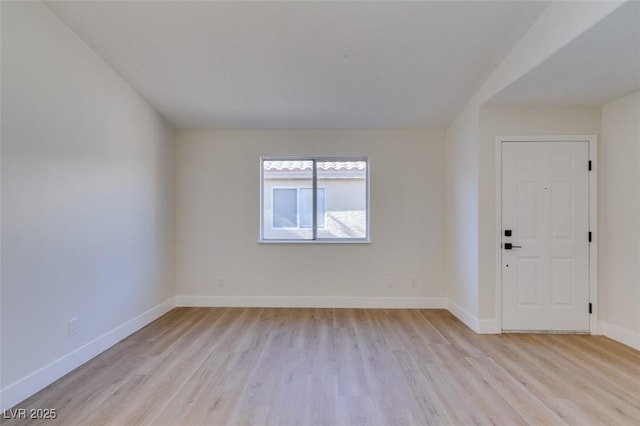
x=313 y=302
x=488 y=327
x=39 y=379
x=620 y=334
x=475 y=324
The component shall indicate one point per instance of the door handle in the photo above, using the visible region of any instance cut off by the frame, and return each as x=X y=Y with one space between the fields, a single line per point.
x=509 y=246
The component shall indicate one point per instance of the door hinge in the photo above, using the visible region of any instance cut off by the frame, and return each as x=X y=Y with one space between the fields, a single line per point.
x=589 y=236
x=589 y=165
x=590 y=308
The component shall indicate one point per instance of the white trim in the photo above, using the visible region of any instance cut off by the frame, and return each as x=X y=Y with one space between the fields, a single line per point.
x=622 y=335
x=477 y=325
x=463 y=315
x=593 y=227
x=41 y=378
x=592 y=141
x=498 y=232
x=319 y=241
x=488 y=327
x=313 y=302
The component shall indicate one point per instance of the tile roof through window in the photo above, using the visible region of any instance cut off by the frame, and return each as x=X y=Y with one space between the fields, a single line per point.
x=278 y=165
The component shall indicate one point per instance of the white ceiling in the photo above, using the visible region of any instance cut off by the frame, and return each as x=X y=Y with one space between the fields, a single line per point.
x=601 y=65
x=206 y=65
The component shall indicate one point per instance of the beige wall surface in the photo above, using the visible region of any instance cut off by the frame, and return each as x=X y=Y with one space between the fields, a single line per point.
x=461 y=246
x=87 y=200
x=620 y=217
x=218 y=182
x=506 y=121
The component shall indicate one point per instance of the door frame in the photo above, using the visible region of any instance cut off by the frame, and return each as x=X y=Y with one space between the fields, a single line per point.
x=592 y=141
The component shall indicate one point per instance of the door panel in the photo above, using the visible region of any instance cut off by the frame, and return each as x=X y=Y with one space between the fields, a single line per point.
x=545 y=203
x=562 y=281
x=562 y=204
x=528 y=281
x=527 y=207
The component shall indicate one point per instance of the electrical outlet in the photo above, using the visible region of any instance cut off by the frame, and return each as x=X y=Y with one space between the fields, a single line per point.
x=413 y=283
x=388 y=282
x=72 y=327
x=220 y=282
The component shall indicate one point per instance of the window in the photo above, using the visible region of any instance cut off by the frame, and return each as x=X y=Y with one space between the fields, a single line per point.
x=314 y=199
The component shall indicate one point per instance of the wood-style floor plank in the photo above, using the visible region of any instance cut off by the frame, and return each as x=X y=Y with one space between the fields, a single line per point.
x=254 y=366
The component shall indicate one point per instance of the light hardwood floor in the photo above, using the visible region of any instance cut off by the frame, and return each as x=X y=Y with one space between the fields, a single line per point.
x=233 y=366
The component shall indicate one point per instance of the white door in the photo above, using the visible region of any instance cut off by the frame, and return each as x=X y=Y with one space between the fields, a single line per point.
x=545 y=261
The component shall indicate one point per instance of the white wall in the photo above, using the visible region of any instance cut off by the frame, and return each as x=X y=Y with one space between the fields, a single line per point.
x=620 y=220
x=87 y=202
x=515 y=120
x=462 y=216
x=218 y=221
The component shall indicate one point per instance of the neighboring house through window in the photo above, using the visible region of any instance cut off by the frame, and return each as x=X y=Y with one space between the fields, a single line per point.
x=293 y=207
x=337 y=187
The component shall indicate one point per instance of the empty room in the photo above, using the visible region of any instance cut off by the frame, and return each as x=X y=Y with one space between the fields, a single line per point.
x=320 y=213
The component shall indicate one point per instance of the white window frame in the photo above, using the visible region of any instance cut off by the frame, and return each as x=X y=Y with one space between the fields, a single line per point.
x=316 y=239
x=297 y=188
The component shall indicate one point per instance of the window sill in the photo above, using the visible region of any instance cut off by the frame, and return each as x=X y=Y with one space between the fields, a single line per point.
x=335 y=241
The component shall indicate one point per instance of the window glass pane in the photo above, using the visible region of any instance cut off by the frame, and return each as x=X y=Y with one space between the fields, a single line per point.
x=345 y=187
x=285 y=208
x=280 y=182
x=306 y=207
